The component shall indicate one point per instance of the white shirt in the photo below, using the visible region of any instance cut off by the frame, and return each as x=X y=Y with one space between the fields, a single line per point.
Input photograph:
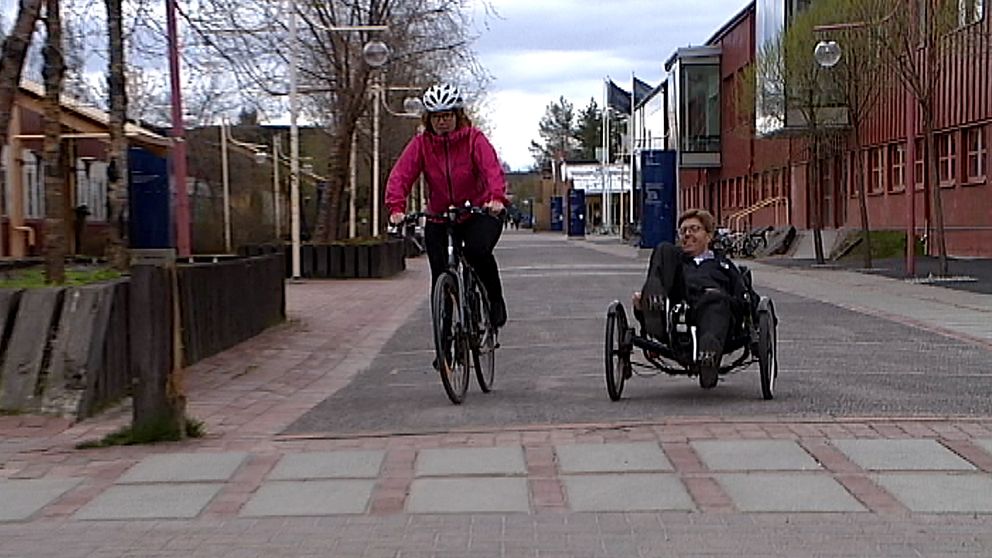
x=707 y=255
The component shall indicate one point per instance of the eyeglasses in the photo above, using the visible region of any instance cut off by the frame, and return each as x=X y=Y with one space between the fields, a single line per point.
x=690 y=229
x=442 y=115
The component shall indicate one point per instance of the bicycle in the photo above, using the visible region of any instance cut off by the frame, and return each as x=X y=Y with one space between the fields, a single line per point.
x=462 y=325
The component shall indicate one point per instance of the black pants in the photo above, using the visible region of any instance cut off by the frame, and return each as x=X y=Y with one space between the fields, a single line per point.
x=712 y=311
x=480 y=233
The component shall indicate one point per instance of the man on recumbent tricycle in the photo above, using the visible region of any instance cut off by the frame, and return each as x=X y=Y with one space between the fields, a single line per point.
x=690 y=283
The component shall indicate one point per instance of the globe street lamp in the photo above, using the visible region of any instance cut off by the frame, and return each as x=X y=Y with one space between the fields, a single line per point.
x=827 y=53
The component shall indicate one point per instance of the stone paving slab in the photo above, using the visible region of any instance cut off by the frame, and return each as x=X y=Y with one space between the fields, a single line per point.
x=471 y=461
x=611 y=458
x=20 y=499
x=788 y=492
x=754 y=455
x=468 y=495
x=328 y=465
x=317 y=497
x=940 y=492
x=185 y=467
x=901 y=455
x=150 y=501
x=627 y=492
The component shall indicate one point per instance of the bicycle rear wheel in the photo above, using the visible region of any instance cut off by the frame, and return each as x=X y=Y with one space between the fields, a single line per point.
x=483 y=337
x=450 y=341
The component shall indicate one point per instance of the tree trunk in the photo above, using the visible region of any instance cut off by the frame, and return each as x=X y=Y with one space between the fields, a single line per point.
x=15 y=48
x=55 y=211
x=933 y=177
x=117 y=174
x=815 y=189
x=859 y=177
x=330 y=212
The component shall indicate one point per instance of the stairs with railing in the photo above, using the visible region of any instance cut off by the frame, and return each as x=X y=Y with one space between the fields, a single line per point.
x=735 y=221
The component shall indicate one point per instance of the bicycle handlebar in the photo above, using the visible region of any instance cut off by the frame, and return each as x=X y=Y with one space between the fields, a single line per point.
x=451 y=215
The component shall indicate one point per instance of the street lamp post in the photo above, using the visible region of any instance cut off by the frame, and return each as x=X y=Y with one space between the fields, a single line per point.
x=258 y=152
x=276 y=209
x=827 y=54
x=411 y=108
x=179 y=135
x=294 y=146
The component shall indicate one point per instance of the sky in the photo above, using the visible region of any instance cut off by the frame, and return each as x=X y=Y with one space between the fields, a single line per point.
x=540 y=50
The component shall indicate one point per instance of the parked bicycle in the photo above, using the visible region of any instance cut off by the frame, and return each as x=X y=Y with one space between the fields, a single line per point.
x=740 y=244
x=464 y=336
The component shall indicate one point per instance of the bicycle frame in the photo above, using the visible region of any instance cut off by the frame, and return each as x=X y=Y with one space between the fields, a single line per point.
x=459 y=267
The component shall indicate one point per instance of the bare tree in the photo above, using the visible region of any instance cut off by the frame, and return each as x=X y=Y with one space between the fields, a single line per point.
x=117 y=173
x=15 y=48
x=55 y=211
x=917 y=38
x=428 y=39
x=795 y=94
x=859 y=78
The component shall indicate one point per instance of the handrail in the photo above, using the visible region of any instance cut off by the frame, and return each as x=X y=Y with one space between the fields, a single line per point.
x=30 y=232
x=735 y=218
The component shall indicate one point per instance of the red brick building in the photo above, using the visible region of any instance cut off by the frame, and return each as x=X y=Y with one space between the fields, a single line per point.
x=750 y=171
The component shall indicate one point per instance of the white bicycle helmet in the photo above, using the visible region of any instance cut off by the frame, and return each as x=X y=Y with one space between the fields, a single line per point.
x=442 y=97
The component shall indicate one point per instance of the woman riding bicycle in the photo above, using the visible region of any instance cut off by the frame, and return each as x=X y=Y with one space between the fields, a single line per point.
x=459 y=165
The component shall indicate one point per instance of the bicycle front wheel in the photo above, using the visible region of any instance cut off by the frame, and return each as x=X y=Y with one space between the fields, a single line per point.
x=450 y=342
x=483 y=337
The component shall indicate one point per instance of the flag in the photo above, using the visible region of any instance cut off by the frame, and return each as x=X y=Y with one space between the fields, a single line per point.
x=616 y=98
x=641 y=91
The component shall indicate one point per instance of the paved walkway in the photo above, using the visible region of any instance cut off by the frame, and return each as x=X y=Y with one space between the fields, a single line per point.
x=700 y=486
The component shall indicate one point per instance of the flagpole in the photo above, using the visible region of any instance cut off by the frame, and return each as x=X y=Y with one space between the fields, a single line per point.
x=632 y=134
x=602 y=154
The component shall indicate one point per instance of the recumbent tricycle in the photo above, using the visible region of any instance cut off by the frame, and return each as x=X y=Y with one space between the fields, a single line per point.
x=753 y=338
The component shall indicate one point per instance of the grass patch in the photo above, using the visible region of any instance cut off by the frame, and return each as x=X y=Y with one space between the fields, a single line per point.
x=884 y=244
x=34 y=277
x=151 y=434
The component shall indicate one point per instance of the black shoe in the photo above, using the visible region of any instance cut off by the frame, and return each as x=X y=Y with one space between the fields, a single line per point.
x=709 y=369
x=654 y=308
x=497 y=313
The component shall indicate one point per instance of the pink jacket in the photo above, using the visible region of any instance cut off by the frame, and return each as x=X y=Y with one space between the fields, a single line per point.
x=459 y=166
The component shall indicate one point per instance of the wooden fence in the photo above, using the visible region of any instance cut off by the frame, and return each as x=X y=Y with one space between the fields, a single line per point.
x=72 y=351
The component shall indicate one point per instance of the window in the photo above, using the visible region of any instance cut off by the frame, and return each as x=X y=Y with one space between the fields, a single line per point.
x=876 y=170
x=33 y=173
x=947 y=159
x=851 y=174
x=976 y=151
x=796 y=7
x=91 y=187
x=700 y=115
x=920 y=164
x=897 y=174
x=970 y=11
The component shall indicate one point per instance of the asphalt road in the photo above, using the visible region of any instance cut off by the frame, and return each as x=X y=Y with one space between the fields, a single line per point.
x=833 y=362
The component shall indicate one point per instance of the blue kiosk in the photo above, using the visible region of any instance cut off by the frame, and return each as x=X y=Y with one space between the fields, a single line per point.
x=658 y=179
x=576 y=212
